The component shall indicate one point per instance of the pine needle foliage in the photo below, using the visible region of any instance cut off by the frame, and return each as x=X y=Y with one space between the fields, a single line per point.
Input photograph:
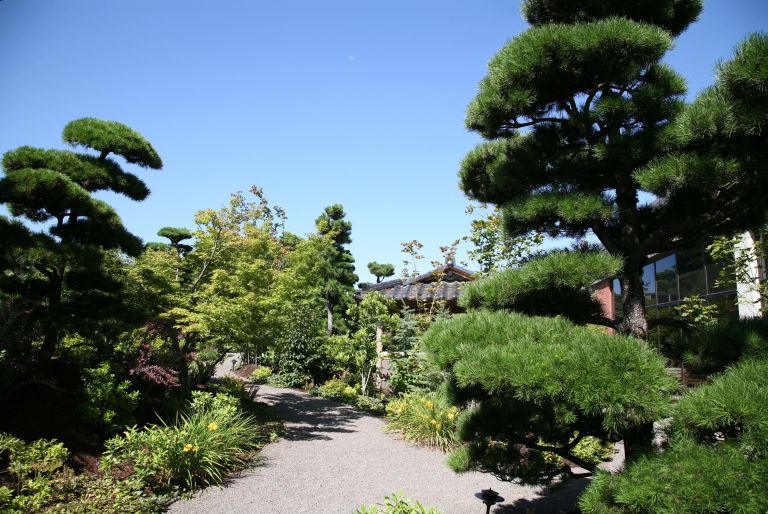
x=554 y=284
x=534 y=379
x=718 y=459
x=581 y=116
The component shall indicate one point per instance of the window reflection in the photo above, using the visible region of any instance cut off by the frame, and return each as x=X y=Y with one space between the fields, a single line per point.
x=666 y=280
x=649 y=284
x=690 y=267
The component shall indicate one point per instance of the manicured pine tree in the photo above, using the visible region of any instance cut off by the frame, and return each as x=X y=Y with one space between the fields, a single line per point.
x=338 y=276
x=578 y=112
x=54 y=187
x=381 y=271
x=176 y=235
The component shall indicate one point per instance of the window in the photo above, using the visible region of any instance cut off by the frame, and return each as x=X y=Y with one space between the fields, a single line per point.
x=649 y=284
x=666 y=280
x=692 y=277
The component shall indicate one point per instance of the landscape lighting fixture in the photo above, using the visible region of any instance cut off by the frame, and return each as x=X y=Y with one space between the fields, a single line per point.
x=490 y=498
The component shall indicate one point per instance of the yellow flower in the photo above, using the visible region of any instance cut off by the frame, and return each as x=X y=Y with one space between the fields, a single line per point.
x=438 y=426
x=187 y=447
x=195 y=448
x=212 y=426
x=428 y=404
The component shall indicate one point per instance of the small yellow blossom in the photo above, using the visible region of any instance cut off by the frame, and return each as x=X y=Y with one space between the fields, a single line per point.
x=212 y=426
x=428 y=404
x=438 y=426
x=187 y=447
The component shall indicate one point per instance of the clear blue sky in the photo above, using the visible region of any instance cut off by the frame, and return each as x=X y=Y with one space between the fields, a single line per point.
x=353 y=102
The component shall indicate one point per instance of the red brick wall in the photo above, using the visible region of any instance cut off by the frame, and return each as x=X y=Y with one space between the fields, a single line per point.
x=603 y=293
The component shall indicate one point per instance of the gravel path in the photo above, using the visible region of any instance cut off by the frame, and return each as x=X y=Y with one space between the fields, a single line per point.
x=333 y=457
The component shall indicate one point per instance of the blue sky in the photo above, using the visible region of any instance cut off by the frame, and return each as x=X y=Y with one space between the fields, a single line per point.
x=353 y=102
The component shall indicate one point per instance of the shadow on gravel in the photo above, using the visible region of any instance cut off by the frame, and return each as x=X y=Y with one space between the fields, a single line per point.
x=559 y=500
x=309 y=418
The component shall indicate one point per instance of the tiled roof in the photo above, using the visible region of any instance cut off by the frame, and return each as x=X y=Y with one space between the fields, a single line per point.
x=443 y=283
x=448 y=291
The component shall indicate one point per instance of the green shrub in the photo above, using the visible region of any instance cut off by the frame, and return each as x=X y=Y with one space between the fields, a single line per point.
x=425 y=418
x=94 y=494
x=713 y=347
x=107 y=404
x=30 y=460
x=370 y=404
x=235 y=387
x=261 y=374
x=718 y=459
x=338 y=388
x=734 y=406
x=532 y=379
x=553 y=284
x=396 y=504
x=414 y=372
x=198 y=449
x=687 y=478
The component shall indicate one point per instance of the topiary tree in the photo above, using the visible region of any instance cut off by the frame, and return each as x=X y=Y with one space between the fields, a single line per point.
x=582 y=117
x=550 y=285
x=381 y=271
x=338 y=275
x=534 y=387
x=61 y=269
x=176 y=235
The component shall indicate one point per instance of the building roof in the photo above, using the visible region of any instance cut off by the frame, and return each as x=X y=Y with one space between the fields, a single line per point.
x=442 y=283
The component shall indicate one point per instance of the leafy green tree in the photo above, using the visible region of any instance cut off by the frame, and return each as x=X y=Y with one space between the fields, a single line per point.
x=381 y=271
x=338 y=274
x=494 y=249
x=582 y=117
x=62 y=271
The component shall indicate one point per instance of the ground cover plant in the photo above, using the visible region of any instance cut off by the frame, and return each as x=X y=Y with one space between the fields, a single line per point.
x=397 y=504
x=143 y=469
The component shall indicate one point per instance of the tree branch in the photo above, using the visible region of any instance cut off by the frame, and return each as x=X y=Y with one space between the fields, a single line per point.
x=564 y=453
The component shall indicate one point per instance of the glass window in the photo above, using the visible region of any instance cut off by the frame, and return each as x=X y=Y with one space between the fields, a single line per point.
x=666 y=280
x=617 y=299
x=649 y=285
x=690 y=268
x=714 y=282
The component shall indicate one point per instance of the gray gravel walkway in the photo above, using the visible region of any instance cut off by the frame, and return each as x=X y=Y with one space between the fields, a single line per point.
x=333 y=457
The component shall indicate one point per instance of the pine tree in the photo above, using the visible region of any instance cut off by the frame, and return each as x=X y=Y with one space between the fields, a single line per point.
x=381 y=271
x=338 y=274
x=62 y=271
x=583 y=117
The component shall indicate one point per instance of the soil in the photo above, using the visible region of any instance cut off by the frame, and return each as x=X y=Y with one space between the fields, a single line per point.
x=245 y=371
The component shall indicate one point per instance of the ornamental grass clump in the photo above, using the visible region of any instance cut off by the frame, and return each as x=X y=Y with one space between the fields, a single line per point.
x=212 y=438
x=424 y=418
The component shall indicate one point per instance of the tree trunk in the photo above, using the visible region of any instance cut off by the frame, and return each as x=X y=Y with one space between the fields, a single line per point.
x=51 y=339
x=635 y=322
x=379 y=349
x=329 y=312
x=638 y=441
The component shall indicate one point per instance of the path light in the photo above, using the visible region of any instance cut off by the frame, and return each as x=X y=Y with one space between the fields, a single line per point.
x=490 y=498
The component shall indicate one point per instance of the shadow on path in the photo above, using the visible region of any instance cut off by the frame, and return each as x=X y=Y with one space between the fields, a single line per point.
x=550 y=500
x=308 y=417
